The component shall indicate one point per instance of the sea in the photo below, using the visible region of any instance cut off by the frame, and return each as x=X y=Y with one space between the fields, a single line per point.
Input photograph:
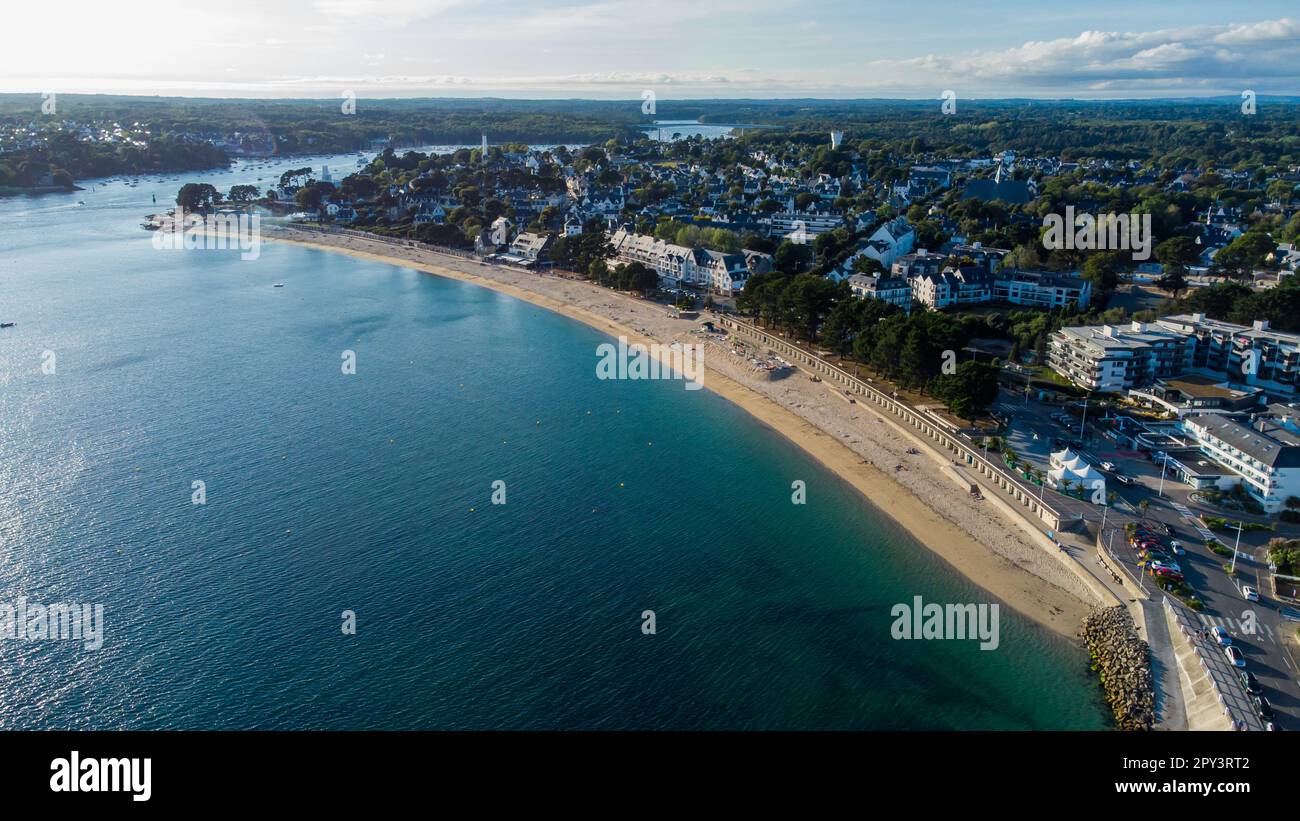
x=372 y=498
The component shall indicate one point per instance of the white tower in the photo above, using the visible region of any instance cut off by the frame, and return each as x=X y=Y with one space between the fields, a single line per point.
x=837 y=137
x=485 y=146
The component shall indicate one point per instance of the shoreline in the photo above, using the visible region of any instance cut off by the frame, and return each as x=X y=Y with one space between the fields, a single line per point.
x=1006 y=573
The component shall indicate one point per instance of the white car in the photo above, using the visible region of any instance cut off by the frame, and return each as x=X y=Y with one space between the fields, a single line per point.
x=1249 y=593
x=1221 y=636
x=1177 y=547
x=1109 y=466
x=1234 y=655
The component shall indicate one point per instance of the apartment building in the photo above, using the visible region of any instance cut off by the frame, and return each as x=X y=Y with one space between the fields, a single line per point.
x=1264 y=450
x=678 y=265
x=894 y=290
x=1114 y=358
x=673 y=263
x=968 y=285
x=1118 y=358
x=1041 y=289
x=803 y=226
x=1256 y=355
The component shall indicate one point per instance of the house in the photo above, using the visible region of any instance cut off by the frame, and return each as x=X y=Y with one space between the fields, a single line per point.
x=528 y=250
x=887 y=243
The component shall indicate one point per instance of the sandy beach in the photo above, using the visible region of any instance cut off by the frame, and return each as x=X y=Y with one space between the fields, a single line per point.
x=850 y=440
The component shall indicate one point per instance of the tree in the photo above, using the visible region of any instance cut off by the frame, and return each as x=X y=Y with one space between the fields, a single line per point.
x=864 y=264
x=968 y=392
x=197 y=196
x=792 y=257
x=1178 y=252
x=243 y=193
x=641 y=277
x=1173 y=282
x=1238 y=259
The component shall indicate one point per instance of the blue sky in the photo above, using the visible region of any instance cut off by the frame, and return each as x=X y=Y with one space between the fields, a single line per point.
x=678 y=48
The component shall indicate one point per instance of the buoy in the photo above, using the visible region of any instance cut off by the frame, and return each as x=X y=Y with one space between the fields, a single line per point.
x=471 y=510
x=539 y=421
x=620 y=484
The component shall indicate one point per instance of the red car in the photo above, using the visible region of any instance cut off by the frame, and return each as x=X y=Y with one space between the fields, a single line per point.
x=1166 y=573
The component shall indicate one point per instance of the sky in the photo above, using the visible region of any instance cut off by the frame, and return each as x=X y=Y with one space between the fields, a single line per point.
x=617 y=49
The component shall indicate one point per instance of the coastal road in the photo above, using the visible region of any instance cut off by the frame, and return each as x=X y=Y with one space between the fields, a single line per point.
x=1258 y=628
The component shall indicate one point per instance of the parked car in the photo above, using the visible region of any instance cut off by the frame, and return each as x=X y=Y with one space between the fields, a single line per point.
x=1158 y=564
x=1166 y=573
x=1249 y=593
x=1221 y=636
x=1235 y=656
x=1110 y=466
x=1250 y=682
x=1122 y=479
x=1263 y=708
x=1177 y=547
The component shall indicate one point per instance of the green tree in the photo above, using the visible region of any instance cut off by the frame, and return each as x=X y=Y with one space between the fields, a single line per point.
x=197 y=196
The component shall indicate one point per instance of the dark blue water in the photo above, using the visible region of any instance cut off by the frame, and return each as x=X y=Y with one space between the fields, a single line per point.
x=371 y=492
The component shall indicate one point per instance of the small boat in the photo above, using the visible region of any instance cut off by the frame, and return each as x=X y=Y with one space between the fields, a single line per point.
x=7 y=324
x=278 y=285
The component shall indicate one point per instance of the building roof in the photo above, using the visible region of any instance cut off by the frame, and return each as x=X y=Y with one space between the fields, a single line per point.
x=1264 y=439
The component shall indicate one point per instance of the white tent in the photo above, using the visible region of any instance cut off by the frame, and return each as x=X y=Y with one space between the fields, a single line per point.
x=1070 y=466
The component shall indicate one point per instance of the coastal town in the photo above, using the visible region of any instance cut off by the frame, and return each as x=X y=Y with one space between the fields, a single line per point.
x=1150 y=434
x=1118 y=398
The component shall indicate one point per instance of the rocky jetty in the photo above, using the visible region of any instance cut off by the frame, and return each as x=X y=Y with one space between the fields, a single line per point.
x=1122 y=661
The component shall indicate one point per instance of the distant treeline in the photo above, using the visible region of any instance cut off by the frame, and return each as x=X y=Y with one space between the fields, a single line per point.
x=66 y=159
x=1167 y=134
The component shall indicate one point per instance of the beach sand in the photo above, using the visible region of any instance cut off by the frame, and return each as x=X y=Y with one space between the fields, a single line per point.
x=850 y=440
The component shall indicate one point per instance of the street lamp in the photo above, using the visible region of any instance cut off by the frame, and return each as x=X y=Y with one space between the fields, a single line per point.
x=1240 y=527
x=1164 y=466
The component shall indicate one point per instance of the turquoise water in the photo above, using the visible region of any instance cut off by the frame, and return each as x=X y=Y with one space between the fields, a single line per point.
x=372 y=493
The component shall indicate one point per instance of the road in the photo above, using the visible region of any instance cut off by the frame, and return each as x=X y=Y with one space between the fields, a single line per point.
x=1256 y=627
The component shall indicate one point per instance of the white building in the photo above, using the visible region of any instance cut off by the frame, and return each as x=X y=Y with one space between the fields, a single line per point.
x=894 y=290
x=1265 y=451
x=887 y=243
x=678 y=265
x=952 y=286
x=1114 y=358
x=1040 y=289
